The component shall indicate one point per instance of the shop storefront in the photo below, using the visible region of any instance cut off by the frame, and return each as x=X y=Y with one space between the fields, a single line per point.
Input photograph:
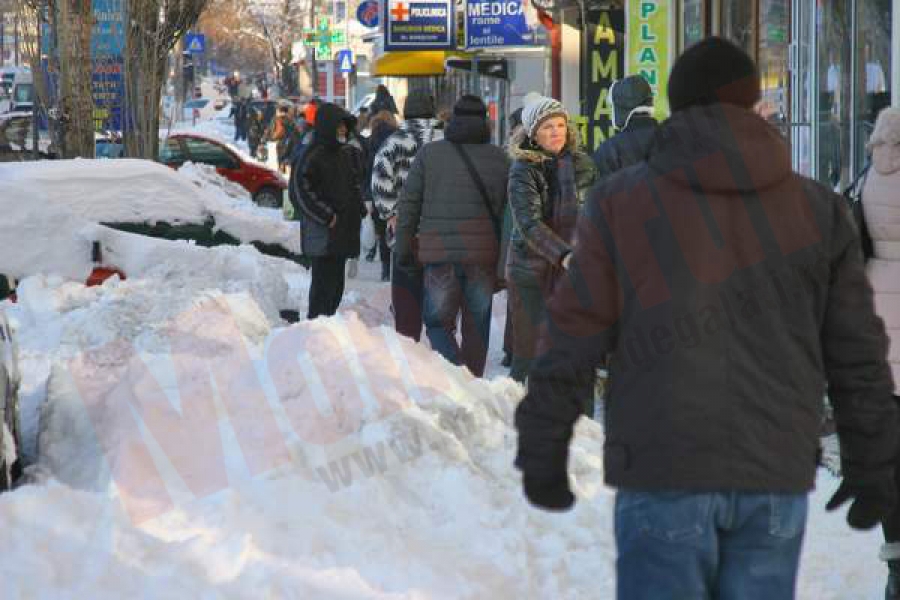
x=825 y=66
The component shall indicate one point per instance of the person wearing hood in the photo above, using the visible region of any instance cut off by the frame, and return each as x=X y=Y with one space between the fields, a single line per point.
x=729 y=290
x=389 y=172
x=452 y=202
x=383 y=101
x=632 y=114
x=881 y=207
x=548 y=181
x=325 y=192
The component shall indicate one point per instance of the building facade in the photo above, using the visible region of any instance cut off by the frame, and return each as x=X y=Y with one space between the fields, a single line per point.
x=827 y=66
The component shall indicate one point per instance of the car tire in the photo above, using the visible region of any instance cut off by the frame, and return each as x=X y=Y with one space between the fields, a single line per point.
x=268 y=197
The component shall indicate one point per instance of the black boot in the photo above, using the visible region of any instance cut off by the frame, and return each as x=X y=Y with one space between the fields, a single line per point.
x=890 y=553
x=892 y=590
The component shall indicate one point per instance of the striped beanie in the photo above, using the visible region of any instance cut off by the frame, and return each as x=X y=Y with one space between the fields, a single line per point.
x=537 y=108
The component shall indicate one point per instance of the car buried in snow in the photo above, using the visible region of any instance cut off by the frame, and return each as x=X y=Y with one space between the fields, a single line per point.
x=266 y=185
x=86 y=220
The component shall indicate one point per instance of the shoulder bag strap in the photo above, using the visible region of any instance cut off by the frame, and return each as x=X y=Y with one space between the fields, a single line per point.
x=480 y=185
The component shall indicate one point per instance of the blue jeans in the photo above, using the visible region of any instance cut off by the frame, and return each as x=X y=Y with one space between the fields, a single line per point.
x=451 y=288
x=708 y=546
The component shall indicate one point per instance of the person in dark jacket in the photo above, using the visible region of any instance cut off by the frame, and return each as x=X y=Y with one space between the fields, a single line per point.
x=325 y=191
x=632 y=113
x=389 y=172
x=383 y=101
x=547 y=184
x=453 y=201
x=255 y=131
x=729 y=290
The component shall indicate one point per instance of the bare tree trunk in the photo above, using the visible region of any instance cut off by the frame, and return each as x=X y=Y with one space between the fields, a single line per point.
x=155 y=26
x=76 y=19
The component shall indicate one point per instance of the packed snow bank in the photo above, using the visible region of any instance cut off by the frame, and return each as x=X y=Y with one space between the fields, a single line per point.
x=207 y=453
x=48 y=204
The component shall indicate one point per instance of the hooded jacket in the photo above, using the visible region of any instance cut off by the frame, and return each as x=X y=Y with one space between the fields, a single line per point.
x=729 y=290
x=442 y=203
x=395 y=157
x=881 y=206
x=537 y=241
x=628 y=147
x=325 y=183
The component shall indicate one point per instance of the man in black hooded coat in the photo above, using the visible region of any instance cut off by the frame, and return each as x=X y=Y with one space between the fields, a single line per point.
x=632 y=101
x=325 y=191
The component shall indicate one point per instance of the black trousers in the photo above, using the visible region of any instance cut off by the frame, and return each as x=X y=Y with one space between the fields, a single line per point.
x=327 y=287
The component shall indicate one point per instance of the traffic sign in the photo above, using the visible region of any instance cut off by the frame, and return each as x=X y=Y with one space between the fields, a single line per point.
x=195 y=43
x=344 y=59
x=367 y=13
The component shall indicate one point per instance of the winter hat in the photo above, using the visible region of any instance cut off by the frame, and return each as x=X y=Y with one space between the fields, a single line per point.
x=469 y=123
x=713 y=70
x=419 y=105
x=631 y=95
x=537 y=108
x=470 y=106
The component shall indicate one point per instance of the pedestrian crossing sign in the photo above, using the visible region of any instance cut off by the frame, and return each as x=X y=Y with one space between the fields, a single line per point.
x=345 y=61
x=195 y=43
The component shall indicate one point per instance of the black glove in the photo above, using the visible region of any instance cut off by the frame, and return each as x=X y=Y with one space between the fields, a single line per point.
x=549 y=494
x=874 y=497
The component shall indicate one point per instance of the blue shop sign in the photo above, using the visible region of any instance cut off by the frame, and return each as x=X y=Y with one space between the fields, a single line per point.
x=108 y=32
x=500 y=23
x=419 y=25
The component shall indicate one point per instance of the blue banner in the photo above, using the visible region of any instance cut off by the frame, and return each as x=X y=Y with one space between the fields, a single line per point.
x=108 y=88
x=419 y=25
x=108 y=34
x=500 y=23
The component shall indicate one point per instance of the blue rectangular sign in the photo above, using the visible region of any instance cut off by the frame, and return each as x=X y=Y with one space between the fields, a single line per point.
x=108 y=89
x=500 y=23
x=195 y=43
x=108 y=33
x=419 y=25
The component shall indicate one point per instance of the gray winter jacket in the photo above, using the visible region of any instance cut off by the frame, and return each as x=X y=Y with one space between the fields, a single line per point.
x=441 y=203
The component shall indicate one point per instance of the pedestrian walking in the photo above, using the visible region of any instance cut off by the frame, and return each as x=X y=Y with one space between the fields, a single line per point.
x=452 y=203
x=881 y=210
x=389 y=172
x=728 y=290
x=324 y=190
x=381 y=126
x=548 y=181
x=632 y=114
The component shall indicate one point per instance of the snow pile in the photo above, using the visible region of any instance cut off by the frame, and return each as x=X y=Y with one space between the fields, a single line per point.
x=208 y=177
x=197 y=451
x=47 y=205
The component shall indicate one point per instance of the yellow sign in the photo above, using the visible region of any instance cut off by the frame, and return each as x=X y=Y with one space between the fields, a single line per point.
x=649 y=48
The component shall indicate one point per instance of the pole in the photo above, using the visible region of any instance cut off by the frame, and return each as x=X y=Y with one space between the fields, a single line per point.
x=895 y=55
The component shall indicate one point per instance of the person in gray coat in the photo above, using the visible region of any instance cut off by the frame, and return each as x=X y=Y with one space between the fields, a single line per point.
x=451 y=206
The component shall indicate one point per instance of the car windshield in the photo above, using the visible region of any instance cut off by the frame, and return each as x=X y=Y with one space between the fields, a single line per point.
x=24 y=93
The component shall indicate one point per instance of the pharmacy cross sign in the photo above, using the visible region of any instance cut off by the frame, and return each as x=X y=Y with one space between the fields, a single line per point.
x=400 y=12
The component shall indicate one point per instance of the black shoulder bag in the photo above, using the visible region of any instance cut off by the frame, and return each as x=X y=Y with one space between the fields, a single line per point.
x=853 y=196
x=500 y=283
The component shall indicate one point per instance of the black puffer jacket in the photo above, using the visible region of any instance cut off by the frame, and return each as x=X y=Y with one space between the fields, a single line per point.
x=628 y=147
x=542 y=227
x=729 y=290
x=442 y=204
x=326 y=182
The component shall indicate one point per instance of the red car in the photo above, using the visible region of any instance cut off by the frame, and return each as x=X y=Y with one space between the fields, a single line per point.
x=265 y=185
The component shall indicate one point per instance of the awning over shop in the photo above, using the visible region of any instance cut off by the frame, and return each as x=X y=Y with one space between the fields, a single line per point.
x=412 y=63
